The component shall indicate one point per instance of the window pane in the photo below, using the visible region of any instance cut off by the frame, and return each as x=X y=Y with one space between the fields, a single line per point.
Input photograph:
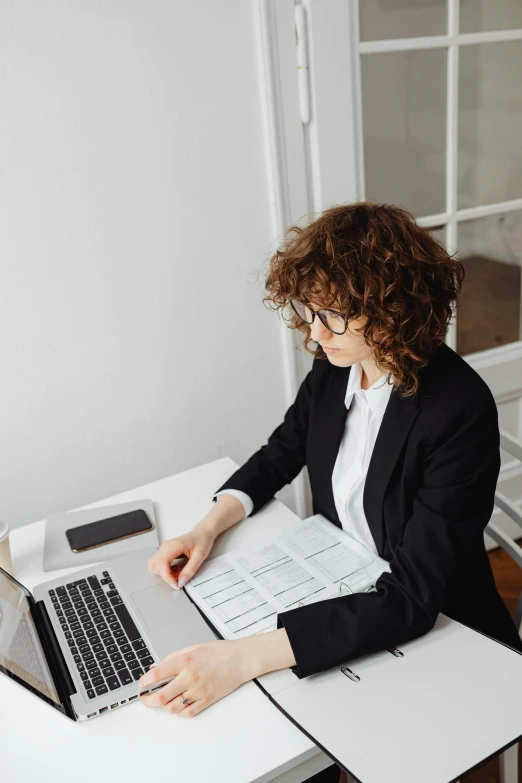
x=439 y=233
x=490 y=123
x=488 y=314
x=381 y=19
x=404 y=128
x=477 y=16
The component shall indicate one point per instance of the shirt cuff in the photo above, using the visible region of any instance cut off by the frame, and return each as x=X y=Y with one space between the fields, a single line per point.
x=245 y=499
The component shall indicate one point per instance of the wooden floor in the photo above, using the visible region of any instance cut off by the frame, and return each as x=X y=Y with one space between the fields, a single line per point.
x=508 y=577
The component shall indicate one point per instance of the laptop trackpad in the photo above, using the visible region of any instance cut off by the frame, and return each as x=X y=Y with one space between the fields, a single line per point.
x=161 y=605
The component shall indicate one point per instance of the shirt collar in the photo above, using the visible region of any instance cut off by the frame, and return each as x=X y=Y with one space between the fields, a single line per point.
x=376 y=396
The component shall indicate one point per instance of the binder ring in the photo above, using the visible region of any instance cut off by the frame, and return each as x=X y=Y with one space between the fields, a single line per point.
x=341 y=584
x=351 y=675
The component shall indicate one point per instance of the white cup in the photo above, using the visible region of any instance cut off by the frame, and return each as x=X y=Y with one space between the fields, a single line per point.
x=5 y=552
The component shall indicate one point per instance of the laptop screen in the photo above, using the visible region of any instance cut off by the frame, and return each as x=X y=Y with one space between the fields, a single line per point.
x=21 y=654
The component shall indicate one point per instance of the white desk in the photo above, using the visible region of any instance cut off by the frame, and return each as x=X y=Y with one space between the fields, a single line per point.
x=239 y=739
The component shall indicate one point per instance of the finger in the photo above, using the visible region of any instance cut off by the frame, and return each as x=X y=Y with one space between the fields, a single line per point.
x=176 y=705
x=164 y=695
x=192 y=709
x=161 y=671
x=191 y=567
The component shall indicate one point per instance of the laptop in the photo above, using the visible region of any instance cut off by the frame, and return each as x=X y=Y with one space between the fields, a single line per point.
x=82 y=642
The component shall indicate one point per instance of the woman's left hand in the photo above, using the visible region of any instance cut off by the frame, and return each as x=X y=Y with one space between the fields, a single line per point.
x=203 y=674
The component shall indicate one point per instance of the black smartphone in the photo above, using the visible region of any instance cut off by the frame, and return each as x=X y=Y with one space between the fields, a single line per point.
x=105 y=531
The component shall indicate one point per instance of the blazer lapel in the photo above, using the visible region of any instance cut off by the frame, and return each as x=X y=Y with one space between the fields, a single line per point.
x=395 y=427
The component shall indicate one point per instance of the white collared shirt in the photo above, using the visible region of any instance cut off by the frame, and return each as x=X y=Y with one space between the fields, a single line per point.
x=365 y=411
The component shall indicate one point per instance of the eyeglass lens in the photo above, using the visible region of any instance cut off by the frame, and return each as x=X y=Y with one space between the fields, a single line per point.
x=333 y=321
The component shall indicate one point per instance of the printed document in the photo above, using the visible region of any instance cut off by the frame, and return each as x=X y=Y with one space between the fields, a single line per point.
x=242 y=591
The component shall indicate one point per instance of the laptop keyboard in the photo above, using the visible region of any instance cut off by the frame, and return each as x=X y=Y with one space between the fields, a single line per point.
x=104 y=640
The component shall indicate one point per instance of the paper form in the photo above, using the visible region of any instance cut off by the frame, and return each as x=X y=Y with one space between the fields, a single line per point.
x=241 y=593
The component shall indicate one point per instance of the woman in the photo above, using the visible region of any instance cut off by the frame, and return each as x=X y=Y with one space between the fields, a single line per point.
x=400 y=438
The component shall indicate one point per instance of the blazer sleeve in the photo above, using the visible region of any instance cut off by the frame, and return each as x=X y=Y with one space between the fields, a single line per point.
x=450 y=510
x=279 y=460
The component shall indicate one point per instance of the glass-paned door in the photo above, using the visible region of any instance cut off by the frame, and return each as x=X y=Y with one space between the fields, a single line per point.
x=431 y=96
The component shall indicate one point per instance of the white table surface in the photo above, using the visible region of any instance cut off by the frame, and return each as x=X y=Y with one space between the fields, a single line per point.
x=240 y=739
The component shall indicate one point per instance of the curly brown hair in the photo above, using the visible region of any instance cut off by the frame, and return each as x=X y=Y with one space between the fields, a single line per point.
x=374 y=260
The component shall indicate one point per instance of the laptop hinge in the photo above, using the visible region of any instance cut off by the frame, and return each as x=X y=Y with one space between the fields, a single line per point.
x=55 y=658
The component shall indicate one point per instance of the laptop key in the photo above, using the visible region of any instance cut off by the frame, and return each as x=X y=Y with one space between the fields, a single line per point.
x=113 y=683
x=78 y=633
x=93 y=582
x=143 y=653
x=95 y=672
x=112 y=593
x=98 y=681
x=87 y=684
x=101 y=689
x=130 y=656
x=97 y=647
x=116 y=601
x=108 y=671
x=105 y=573
x=111 y=617
x=105 y=634
x=91 y=664
x=105 y=605
x=68 y=635
x=71 y=642
x=91 y=633
x=112 y=648
x=118 y=665
x=115 y=626
x=74 y=650
x=81 y=640
x=88 y=625
x=118 y=633
x=101 y=626
x=61 y=591
x=84 y=648
x=116 y=657
x=80 y=667
x=88 y=656
x=91 y=694
x=125 y=677
x=75 y=626
x=122 y=640
x=133 y=664
x=136 y=673
x=84 y=676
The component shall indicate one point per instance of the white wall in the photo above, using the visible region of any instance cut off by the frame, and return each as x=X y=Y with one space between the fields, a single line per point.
x=134 y=205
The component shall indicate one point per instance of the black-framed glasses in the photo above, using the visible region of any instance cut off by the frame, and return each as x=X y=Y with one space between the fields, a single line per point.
x=333 y=321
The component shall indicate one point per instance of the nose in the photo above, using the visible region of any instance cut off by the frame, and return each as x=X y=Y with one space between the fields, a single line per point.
x=318 y=330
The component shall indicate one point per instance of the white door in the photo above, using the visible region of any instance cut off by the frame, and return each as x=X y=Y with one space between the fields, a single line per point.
x=417 y=103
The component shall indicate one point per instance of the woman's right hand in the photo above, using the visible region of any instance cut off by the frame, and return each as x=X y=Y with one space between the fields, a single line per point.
x=195 y=545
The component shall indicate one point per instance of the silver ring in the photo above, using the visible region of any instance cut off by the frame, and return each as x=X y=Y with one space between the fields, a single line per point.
x=184 y=700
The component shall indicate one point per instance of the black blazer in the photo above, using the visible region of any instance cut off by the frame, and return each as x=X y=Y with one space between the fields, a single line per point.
x=428 y=496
